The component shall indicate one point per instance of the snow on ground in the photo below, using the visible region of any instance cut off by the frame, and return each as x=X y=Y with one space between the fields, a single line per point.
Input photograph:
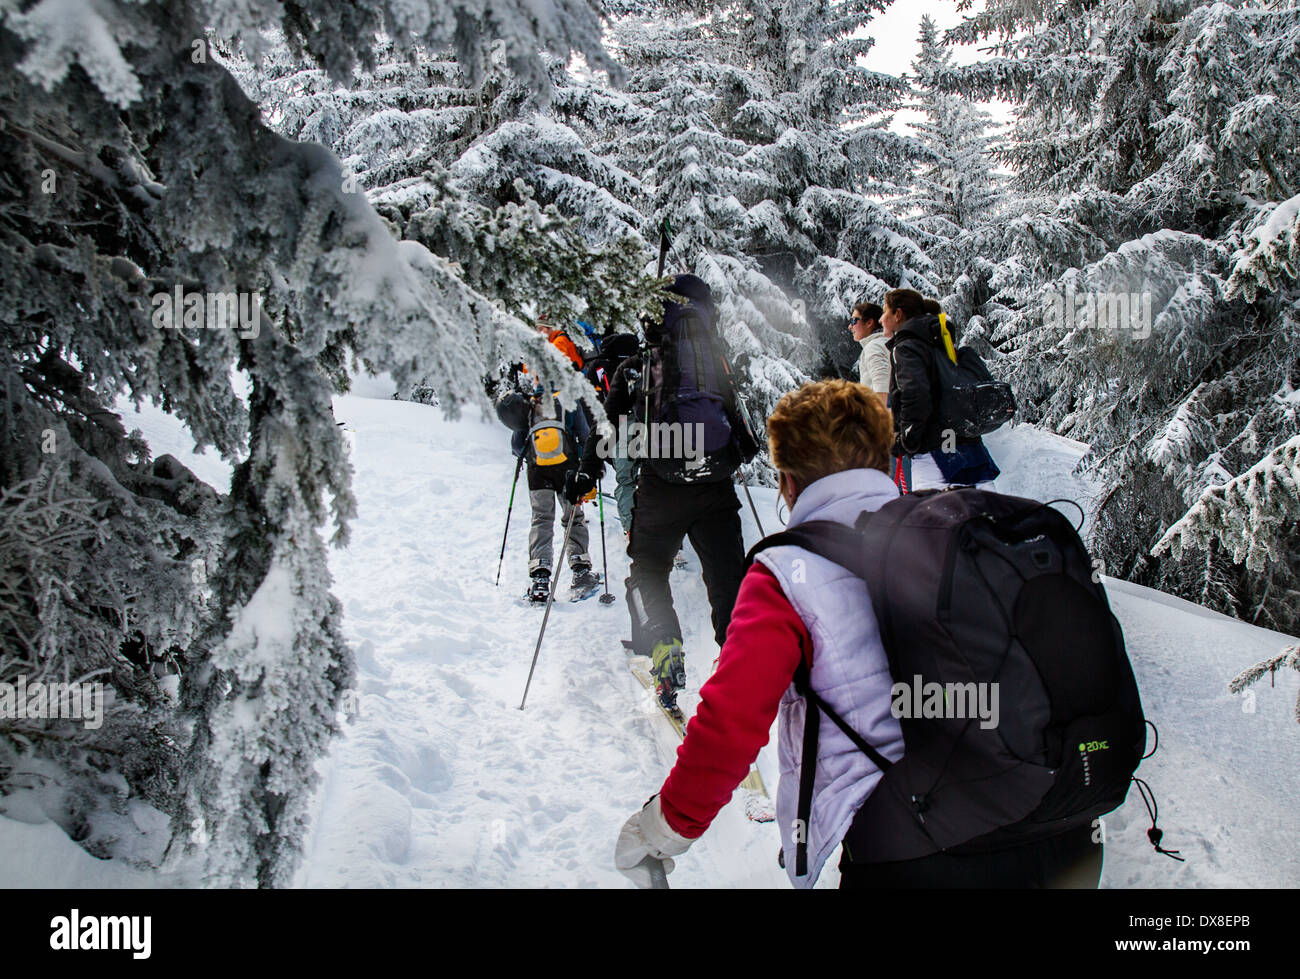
x=443 y=781
x=1225 y=775
x=440 y=780
x=38 y=854
x=1040 y=465
x=166 y=436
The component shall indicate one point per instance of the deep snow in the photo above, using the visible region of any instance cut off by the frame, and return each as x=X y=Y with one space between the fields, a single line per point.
x=441 y=781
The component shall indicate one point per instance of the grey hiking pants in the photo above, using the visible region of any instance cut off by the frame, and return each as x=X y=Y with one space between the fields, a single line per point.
x=542 y=531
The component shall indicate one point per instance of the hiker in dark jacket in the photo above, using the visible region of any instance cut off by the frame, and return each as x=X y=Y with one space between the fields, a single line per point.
x=701 y=505
x=612 y=351
x=927 y=456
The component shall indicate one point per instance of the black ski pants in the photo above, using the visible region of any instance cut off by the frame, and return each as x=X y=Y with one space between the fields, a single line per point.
x=662 y=514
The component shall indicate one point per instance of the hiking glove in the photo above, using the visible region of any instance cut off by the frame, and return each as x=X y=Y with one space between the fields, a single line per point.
x=577 y=484
x=647 y=834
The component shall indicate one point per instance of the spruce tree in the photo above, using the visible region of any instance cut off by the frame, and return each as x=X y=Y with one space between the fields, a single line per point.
x=766 y=148
x=135 y=171
x=1152 y=139
x=955 y=199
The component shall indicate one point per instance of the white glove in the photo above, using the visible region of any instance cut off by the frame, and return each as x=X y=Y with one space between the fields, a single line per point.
x=647 y=834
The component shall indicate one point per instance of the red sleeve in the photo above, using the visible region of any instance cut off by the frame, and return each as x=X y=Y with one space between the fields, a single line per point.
x=765 y=642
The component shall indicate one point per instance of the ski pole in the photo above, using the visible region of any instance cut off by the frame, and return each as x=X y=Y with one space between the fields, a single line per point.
x=655 y=868
x=606 y=598
x=519 y=464
x=761 y=531
x=564 y=549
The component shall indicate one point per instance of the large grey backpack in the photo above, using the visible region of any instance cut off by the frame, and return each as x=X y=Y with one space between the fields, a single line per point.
x=971 y=587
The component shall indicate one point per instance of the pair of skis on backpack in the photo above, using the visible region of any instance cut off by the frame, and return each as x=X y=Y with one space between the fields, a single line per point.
x=758 y=804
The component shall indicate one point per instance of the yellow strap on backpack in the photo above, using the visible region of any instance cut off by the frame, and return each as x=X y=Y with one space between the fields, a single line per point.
x=947 y=338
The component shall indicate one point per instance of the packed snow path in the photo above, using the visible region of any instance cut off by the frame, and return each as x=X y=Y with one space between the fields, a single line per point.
x=441 y=781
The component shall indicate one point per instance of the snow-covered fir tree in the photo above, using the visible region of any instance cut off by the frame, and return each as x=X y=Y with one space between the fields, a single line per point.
x=530 y=217
x=766 y=149
x=144 y=192
x=739 y=144
x=690 y=175
x=1154 y=138
x=955 y=199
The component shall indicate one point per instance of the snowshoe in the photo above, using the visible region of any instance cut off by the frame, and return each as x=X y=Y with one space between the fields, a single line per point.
x=669 y=671
x=585 y=583
x=540 y=590
x=667 y=697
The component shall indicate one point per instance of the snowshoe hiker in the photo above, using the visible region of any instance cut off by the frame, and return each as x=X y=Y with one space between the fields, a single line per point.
x=818 y=638
x=560 y=341
x=691 y=441
x=614 y=351
x=942 y=398
x=548 y=439
x=551 y=450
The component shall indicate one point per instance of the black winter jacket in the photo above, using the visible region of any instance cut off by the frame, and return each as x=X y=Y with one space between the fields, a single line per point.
x=913 y=385
x=618 y=402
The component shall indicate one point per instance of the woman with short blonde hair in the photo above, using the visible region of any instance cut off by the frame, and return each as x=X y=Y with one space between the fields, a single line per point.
x=827 y=427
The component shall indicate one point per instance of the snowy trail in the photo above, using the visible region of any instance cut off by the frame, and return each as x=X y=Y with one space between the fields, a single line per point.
x=1225 y=776
x=441 y=780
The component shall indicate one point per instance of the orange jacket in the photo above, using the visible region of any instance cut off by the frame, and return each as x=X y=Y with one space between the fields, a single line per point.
x=560 y=340
x=562 y=343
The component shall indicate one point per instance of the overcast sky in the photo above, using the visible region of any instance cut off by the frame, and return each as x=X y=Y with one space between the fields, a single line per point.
x=896 y=32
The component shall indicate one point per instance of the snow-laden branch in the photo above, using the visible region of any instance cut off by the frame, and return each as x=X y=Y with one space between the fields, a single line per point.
x=1254 y=515
x=1272 y=252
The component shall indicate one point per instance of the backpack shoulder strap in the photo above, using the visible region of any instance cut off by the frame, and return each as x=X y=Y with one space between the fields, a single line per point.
x=825 y=538
x=843 y=546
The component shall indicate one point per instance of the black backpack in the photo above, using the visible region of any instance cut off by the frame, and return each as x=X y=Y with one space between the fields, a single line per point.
x=613 y=349
x=685 y=381
x=970 y=402
x=972 y=587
